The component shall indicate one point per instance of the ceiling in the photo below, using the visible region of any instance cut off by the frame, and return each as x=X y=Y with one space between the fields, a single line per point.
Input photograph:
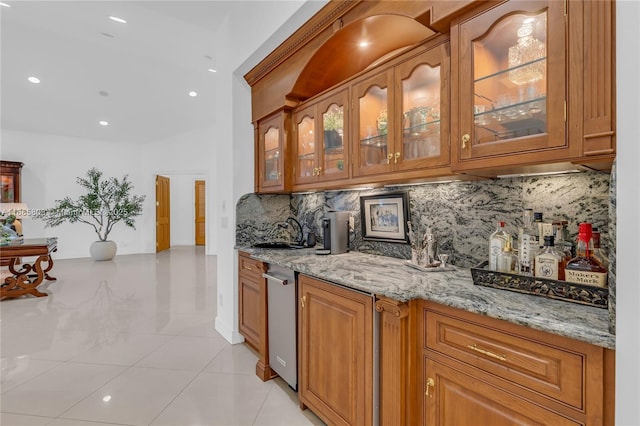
x=136 y=76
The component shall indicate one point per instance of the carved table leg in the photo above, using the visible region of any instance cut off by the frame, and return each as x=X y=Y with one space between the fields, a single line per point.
x=22 y=282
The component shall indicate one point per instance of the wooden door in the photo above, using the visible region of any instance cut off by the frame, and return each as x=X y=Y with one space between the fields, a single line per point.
x=510 y=91
x=372 y=149
x=335 y=352
x=163 y=213
x=422 y=106
x=455 y=398
x=200 y=212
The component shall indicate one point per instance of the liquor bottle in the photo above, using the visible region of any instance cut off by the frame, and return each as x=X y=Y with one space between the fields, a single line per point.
x=497 y=240
x=585 y=268
x=560 y=240
x=598 y=253
x=549 y=261
x=538 y=225
x=527 y=244
x=507 y=261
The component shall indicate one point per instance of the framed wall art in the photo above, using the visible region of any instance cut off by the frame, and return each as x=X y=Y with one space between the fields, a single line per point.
x=385 y=216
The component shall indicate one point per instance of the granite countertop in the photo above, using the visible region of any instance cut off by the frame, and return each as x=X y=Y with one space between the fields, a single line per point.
x=393 y=278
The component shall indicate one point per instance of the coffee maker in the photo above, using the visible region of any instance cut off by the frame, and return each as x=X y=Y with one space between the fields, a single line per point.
x=335 y=231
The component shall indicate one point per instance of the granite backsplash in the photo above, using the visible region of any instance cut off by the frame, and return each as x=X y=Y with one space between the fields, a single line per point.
x=462 y=215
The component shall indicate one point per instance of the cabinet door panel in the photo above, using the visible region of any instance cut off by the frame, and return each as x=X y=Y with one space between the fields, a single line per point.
x=422 y=106
x=511 y=85
x=335 y=349
x=372 y=100
x=270 y=153
x=455 y=398
x=334 y=150
x=305 y=141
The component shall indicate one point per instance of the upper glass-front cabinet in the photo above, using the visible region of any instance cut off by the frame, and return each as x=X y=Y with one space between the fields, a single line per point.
x=271 y=153
x=320 y=140
x=10 y=172
x=511 y=67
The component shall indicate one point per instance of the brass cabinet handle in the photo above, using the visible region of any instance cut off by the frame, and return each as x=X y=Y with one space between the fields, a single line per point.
x=315 y=171
x=430 y=383
x=465 y=140
x=395 y=161
x=302 y=300
x=473 y=347
x=389 y=157
x=319 y=171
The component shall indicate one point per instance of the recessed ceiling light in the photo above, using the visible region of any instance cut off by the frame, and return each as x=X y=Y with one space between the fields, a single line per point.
x=103 y=123
x=193 y=94
x=4 y=4
x=116 y=19
x=212 y=70
x=103 y=93
x=34 y=80
x=108 y=35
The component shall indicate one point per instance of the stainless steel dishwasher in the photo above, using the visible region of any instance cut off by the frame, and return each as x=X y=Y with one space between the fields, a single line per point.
x=281 y=306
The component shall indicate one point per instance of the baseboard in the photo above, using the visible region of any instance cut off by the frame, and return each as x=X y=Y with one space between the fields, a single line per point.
x=227 y=331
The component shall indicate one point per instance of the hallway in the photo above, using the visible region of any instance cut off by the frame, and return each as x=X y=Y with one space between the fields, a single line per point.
x=132 y=342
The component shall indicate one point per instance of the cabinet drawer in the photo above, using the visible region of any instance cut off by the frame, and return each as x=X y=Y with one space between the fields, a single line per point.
x=552 y=371
x=251 y=266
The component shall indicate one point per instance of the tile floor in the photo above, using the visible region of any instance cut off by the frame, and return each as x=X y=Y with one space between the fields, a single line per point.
x=132 y=342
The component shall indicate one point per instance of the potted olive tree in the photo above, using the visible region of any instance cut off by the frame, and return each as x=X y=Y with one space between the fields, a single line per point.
x=105 y=203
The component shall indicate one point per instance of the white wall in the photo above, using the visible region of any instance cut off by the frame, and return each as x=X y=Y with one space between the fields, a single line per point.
x=628 y=211
x=270 y=23
x=51 y=166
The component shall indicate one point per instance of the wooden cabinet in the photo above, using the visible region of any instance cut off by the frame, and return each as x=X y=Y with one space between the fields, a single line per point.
x=253 y=320
x=401 y=115
x=479 y=370
x=533 y=87
x=273 y=172
x=335 y=352
x=510 y=87
x=320 y=143
x=10 y=173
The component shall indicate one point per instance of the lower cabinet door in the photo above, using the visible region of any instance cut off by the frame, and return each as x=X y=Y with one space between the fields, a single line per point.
x=335 y=352
x=454 y=398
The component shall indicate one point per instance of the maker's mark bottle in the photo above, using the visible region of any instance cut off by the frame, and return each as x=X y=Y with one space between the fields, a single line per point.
x=585 y=268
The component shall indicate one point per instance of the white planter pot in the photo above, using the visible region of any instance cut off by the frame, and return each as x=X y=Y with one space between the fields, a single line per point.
x=103 y=250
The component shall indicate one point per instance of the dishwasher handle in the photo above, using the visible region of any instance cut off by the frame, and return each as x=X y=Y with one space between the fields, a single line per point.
x=282 y=281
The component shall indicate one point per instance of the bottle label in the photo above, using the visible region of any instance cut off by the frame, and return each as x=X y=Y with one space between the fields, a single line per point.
x=597 y=279
x=495 y=248
x=547 y=267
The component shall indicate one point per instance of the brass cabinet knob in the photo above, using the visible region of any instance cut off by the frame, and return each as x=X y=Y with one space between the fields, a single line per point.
x=465 y=140
x=389 y=158
x=395 y=161
x=430 y=383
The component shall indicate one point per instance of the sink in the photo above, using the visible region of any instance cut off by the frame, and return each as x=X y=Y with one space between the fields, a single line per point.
x=277 y=245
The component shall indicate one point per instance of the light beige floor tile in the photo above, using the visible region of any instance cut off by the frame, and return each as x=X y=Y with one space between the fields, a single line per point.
x=237 y=359
x=69 y=422
x=217 y=399
x=281 y=409
x=137 y=396
x=16 y=371
x=9 y=419
x=54 y=392
x=175 y=355
x=121 y=349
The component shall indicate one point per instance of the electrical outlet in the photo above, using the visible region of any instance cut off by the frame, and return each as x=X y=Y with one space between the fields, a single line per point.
x=352 y=224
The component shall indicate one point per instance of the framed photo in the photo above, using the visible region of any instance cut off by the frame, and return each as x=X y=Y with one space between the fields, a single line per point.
x=385 y=216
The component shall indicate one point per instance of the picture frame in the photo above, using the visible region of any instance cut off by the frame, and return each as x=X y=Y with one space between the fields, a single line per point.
x=384 y=217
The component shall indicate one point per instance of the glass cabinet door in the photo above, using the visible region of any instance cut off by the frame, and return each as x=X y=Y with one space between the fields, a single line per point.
x=512 y=73
x=372 y=126
x=423 y=108
x=270 y=152
x=8 y=194
x=333 y=115
x=305 y=146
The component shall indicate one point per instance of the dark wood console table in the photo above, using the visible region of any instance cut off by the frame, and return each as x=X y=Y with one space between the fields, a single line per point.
x=29 y=276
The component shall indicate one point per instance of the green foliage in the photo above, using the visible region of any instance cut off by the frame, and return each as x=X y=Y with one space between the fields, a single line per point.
x=106 y=202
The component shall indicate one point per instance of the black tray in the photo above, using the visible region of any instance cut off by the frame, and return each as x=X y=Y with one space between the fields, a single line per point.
x=553 y=289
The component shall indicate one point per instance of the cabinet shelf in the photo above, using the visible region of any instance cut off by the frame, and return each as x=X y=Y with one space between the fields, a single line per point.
x=505 y=71
x=374 y=141
x=514 y=120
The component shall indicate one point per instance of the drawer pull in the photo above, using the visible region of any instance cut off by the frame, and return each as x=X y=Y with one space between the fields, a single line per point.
x=248 y=267
x=430 y=383
x=473 y=347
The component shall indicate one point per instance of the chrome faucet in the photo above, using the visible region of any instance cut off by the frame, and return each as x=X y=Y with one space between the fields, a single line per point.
x=300 y=240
